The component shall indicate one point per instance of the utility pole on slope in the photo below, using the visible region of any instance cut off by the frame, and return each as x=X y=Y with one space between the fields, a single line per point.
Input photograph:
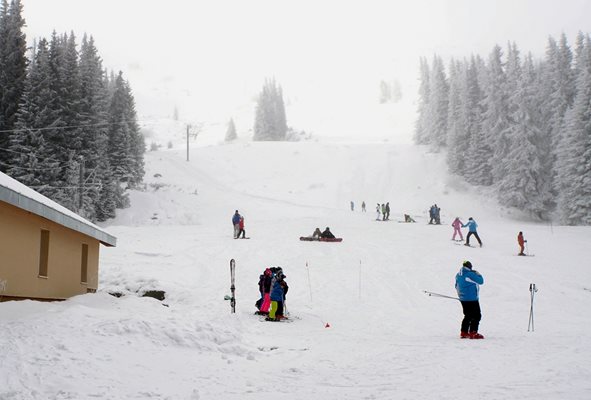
x=196 y=130
x=80 y=186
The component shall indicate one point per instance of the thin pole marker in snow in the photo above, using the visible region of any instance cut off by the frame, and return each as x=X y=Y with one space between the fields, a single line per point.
x=326 y=324
x=359 y=279
x=309 y=283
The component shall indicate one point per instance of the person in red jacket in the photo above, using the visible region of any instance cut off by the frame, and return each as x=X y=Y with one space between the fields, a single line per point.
x=241 y=228
x=521 y=242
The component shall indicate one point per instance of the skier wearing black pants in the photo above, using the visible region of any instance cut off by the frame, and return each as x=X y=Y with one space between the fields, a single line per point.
x=468 y=283
x=472 y=225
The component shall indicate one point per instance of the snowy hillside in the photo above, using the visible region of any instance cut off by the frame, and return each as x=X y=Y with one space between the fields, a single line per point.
x=361 y=326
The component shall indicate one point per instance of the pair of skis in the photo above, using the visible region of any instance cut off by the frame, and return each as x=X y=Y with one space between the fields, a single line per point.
x=232 y=286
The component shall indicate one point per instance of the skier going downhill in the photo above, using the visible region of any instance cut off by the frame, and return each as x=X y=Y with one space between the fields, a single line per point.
x=468 y=283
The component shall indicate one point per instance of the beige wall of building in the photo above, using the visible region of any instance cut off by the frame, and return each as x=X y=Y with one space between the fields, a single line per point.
x=20 y=255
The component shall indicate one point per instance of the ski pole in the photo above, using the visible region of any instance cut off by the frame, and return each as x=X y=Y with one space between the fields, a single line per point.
x=526 y=248
x=532 y=290
x=439 y=295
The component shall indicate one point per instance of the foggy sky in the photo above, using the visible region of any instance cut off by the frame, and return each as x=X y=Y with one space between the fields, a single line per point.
x=208 y=57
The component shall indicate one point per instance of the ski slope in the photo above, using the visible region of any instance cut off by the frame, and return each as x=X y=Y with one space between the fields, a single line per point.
x=362 y=326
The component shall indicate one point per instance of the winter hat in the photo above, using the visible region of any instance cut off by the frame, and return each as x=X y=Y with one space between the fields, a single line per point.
x=470 y=218
x=467 y=264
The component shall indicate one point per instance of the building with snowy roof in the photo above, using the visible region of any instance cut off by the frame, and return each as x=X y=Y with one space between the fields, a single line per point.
x=47 y=252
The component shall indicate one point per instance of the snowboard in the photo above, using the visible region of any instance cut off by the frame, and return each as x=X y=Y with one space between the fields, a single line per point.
x=243 y=238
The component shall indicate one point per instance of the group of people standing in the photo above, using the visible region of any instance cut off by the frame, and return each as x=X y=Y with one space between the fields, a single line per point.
x=238 y=222
x=362 y=206
x=383 y=212
x=273 y=289
x=434 y=215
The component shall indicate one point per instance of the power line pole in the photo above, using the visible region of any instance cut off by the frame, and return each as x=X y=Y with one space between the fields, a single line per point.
x=196 y=130
x=80 y=186
x=188 y=127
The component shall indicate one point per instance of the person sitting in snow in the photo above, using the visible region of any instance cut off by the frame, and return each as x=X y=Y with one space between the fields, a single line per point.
x=408 y=218
x=327 y=234
x=317 y=234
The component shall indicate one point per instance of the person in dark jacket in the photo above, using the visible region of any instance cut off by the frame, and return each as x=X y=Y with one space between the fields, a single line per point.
x=236 y=223
x=265 y=288
x=327 y=234
x=468 y=283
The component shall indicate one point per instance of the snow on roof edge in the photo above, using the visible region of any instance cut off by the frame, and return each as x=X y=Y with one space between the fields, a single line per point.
x=19 y=195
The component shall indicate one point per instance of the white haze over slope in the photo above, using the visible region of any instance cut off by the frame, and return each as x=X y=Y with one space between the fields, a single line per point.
x=385 y=338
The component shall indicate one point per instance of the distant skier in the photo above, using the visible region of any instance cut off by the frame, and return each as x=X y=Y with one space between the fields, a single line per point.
x=468 y=283
x=437 y=215
x=236 y=223
x=472 y=225
x=363 y=206
x=378 y=212
x=387 y=216
x=383 y=212
x=521 y=242
x=457 y=224
x=352 y=206
x=431 y=215
x=327 y=234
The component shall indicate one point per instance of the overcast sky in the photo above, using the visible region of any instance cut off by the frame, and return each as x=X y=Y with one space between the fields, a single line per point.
x=210 y=56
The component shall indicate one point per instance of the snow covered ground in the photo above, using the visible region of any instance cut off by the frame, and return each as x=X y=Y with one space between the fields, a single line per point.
x=362 y=327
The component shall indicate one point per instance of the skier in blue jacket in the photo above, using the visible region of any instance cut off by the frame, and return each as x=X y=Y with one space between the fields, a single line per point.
x=472 y=225
x=468 y=283
x=236 y=223
x=279 y=289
